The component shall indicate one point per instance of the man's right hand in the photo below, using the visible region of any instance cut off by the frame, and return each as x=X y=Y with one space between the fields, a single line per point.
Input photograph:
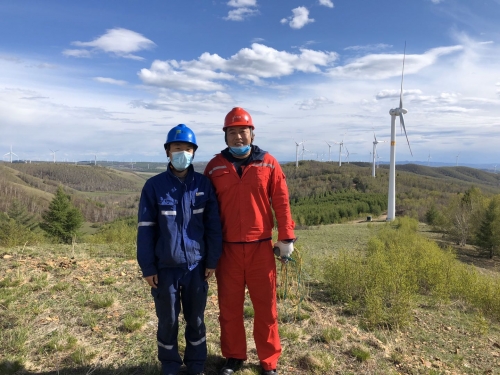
x=152 y=281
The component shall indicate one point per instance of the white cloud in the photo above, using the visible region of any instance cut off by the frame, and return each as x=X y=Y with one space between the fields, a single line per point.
x=111 y=81
x=309 y=104
x=77 y=53
x=389 y=94
x=326 y=3
x=240 y=14
x=11 y=59
x=242 y=3
x=383 y=66
x=120 y=42
x=299 y=19
x=251 y=64
x=437 y=1
x=243 y=9
x=369 y=47
x=191 y=103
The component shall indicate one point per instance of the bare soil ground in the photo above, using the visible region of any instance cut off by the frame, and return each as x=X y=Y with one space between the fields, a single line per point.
x=62 y=315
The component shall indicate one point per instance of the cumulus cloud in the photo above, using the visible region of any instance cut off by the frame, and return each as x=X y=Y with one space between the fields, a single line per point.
x=111 y=81
x=250 y=64
x=77 y=53
x=389 y=94
x=437 y=1
x=383 y=66
x=326 y=3
x=309 y=104
x=244 y=9
x=299 y=19
x=11 y=59
x=175 y=101
x=369 y=47
x=119 y=42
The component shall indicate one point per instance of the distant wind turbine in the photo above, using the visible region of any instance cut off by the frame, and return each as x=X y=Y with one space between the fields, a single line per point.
x=329 y=151
x=10 y=154
x=375 y=142
x=341 y=144
x=457 y=159
x=297 y=153
x=396 y=112
x=429 y=160
x=54 y=154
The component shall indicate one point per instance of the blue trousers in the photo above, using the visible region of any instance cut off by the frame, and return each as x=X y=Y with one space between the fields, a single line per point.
x=176 y=287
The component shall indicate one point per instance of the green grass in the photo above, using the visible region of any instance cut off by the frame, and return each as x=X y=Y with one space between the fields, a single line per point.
x=97 y=312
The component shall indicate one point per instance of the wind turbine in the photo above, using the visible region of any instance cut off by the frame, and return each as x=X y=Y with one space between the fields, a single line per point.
x=457 y=159
x=375 y=142
x=347 y=154
x=297 y=153
x=396 y=112
x=10 y=154
x=329 y=151
x=341 y=144
x=303 y=151
x=429 y=160
x=54 y=153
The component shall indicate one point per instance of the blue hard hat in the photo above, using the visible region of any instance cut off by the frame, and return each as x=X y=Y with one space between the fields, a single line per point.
x=181 y=133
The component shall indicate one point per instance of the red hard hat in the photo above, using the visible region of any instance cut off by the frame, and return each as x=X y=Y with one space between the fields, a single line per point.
x=238 y=117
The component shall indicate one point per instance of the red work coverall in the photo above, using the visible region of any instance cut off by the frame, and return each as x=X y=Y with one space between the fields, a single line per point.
x=246 y=207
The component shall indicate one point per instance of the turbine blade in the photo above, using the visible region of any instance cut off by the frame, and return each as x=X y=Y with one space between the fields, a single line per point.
x=402 y=77
x=402 y=123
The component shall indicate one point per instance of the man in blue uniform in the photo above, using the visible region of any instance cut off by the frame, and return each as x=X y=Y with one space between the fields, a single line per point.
x=179 y=243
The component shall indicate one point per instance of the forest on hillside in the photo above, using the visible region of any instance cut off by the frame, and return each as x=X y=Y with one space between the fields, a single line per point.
x=456 y=201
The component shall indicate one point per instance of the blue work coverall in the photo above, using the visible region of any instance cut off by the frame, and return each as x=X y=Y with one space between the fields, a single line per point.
x=179 y=236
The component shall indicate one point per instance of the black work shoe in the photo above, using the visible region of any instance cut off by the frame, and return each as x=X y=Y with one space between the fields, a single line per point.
x=232 y=365
x=269 y=372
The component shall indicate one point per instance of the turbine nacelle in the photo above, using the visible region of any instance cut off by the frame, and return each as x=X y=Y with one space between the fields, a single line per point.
x=398 y=111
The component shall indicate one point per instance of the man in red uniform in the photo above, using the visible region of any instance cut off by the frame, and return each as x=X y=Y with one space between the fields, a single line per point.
x=249 y=185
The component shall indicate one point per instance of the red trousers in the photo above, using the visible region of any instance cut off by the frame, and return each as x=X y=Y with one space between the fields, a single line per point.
x=253 y=265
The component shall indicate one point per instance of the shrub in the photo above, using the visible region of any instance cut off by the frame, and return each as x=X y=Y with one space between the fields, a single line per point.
x=399 y=266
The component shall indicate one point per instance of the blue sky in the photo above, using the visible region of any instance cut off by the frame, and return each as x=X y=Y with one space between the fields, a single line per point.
x=110 y=78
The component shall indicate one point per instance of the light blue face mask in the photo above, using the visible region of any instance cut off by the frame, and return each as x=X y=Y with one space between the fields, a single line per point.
x=240 y=150
x=181 y=160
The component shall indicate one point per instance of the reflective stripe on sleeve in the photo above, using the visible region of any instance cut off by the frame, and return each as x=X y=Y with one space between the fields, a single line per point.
x=146 y=224
x=263 y=165
x=198 y=211
x=169 y=212
x=215 y=168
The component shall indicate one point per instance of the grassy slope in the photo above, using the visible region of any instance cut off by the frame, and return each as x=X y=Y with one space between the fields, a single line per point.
x=64 y=315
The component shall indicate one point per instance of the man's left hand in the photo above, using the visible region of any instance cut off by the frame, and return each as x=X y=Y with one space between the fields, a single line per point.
x=208 y=273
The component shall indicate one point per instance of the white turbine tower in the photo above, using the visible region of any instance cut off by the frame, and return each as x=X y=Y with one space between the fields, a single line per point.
x=456 y=164
x=297 y=153
x=429 y=160
x=341 y=144
x=396 y=112
x=329 y=151
x=10 y=154
x=375 y=142
x=54 y=154
x=303 y=151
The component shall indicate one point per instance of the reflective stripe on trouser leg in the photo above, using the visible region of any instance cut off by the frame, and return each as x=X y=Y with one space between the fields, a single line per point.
x=194 y=299
x=230 y=275
x=260 y=270
x=167 y=303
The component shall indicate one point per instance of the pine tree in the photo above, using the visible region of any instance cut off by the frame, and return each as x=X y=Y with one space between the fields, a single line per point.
x=488 y=236
x=18 y=212
x=62 y=220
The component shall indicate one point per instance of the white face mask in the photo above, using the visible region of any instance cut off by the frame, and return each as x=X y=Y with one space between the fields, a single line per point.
x=181 y=160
